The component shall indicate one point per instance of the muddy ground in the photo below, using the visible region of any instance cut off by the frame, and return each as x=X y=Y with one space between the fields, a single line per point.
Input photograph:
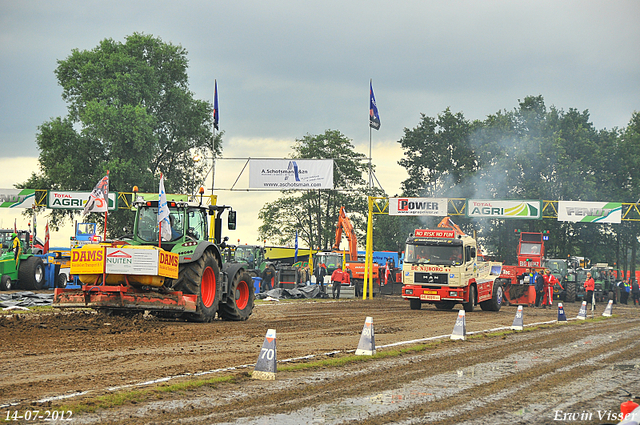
x=576 y=372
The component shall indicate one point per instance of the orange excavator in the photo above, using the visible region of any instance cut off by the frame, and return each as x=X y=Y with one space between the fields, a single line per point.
x=333 y=259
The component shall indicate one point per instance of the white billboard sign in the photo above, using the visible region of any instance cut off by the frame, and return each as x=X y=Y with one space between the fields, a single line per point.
x=131 y=261
x=74 y=200
x=590 y=212
x=504 y=209
x=291 y=174
x=418 y=206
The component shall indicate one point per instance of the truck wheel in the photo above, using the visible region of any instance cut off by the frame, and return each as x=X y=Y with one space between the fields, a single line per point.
x=61 y=280
x=31 y=273
x=239 y=304
x=468 y=307
x=495 y=302
x=445 y=305
x=201 y=278
x=571 y=292
x=5 y=283
x=415 y=304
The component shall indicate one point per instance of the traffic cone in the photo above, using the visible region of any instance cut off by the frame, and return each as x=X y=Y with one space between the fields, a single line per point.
x=582 y=314
x=460 y=328
x=608 y=310
x=266 y=367
x=518 y=321
x=367 y=344
x=562 y=318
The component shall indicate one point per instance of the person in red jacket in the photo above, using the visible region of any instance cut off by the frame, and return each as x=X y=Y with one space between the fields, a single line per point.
x=589 y=286
x=336 y=281
x=549 y=281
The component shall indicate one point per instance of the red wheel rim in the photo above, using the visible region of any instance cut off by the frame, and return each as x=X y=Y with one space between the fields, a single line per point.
x=242 y=295
x=208 y=287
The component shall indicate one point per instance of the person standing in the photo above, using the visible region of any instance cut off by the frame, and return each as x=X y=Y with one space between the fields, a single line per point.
x=635 y=292
x=539 y=287
x=320 y=272
x=346 y=278
x=268 y=276
x=336 y=281
x=589 y=286
x=549 y=281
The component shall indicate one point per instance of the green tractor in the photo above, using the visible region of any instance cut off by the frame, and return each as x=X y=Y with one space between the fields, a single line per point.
x=22 y=268
x=201 y=288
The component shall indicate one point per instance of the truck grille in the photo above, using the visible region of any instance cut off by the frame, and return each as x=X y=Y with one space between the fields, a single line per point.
x=431 y=278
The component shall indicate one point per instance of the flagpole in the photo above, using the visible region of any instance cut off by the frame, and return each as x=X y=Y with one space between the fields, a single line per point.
x=104 y=238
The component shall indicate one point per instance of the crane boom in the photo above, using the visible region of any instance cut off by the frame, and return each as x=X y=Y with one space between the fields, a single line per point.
x=344 y=224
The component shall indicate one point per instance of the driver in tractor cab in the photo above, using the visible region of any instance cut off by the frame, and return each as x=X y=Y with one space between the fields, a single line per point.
x=16 y=245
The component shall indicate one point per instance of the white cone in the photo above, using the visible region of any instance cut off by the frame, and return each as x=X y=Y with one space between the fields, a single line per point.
x=607 y=311
x=460 y=328
x=518 y=321
x=367 y=344
x=582 y=314
x=266 y=366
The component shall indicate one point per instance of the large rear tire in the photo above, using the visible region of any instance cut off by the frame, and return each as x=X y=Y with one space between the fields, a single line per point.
x=239 y=304
x=495 y=302
x=469 y=307
x=31 y=273
x=571 y=292
x=201 y=278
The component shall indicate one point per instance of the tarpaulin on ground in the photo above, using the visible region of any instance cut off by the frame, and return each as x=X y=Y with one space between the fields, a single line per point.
x=312 y=291
x=25 y=299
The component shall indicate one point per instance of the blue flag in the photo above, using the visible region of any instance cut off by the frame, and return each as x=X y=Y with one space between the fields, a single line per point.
x=216 y=117
x=295 y=255
x=374 y=118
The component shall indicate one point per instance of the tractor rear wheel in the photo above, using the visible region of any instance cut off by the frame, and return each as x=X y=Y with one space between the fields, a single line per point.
x=31 y=273
x=571 y=292
x=201 y=278
x=239 y=304
x=5 y=283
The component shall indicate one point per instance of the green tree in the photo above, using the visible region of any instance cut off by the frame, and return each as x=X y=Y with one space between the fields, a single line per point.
x=314 y=213
x=130 y=112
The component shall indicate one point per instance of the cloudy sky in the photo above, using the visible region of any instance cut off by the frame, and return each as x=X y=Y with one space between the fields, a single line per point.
x=287 y=68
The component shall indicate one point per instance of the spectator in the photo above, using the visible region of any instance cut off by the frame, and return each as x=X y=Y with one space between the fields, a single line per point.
x=336 y=282
x=268 y=277
x=539 y=286
x=635 y=292
x=589 y=286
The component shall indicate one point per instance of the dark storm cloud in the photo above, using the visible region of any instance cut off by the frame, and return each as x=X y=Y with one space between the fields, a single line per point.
x=287 y=68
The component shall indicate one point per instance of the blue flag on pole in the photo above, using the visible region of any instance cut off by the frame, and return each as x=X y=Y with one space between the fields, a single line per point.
x=216 y=117
x=295 y=255
x=374 y=118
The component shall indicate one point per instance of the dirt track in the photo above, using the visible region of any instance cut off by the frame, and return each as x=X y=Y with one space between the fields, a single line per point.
x=523 y=377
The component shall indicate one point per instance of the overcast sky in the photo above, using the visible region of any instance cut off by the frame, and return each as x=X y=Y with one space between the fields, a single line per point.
x=288 y=68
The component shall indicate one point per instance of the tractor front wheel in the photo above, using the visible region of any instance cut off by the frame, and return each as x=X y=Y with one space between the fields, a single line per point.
x=239 y=304
x=5 y=283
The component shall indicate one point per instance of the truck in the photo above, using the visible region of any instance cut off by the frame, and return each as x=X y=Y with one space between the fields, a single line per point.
x=180 y=277
x=442 y=267
x=24 y=270
x=515 y=279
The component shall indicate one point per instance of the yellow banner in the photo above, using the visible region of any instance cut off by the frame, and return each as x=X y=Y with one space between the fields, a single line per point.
x=87 y=260
x=168 y=264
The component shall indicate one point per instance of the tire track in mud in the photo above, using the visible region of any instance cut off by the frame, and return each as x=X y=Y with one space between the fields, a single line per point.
x=295 y=392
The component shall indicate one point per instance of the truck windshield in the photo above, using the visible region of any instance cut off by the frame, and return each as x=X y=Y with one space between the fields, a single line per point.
x=529 y=248
x=434 y=254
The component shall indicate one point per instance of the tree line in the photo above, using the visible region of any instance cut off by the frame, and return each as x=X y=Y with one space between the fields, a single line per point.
x=130 y=111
